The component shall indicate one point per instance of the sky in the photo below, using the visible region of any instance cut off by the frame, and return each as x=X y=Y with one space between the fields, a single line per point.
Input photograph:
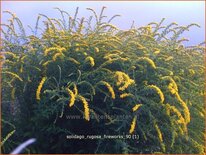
x=141 y=12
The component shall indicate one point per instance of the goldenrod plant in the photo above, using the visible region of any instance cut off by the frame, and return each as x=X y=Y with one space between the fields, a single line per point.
x=78 y=76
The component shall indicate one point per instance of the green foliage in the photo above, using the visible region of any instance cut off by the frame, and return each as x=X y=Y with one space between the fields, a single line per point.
x=87 y=69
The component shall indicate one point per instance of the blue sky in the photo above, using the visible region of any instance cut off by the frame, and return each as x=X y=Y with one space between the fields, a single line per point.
x=142 y=12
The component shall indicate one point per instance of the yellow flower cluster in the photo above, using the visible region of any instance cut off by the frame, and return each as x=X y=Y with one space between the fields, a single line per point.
x=133 y=124
x=117 y=51
x=185 y=108
x=109 y=87
x=56 y=56
x=46 y=63
x=172 y=85
x=167 y=107
x=156 y=51
x=174 y=90
x=169 y=58
x=124 y=80
x=139 y=46
x=91 y=60
x=159 y=134
x=58 y=49
x=10 y=53
x=173 y=109
x=133 y=68
x=159 y=92
x=8 y=62
x=149 y=61
x=147 y=36
x=180 y=120
x=124 y=59
x=192 y=72
x=96 y=49
x=73 y=60
x=86 y=107
x=22 y=58
x=149 y=29
x=136 y=107
x=109 y=56
x=72 y=97
x=124 y=95
x=38 y=91
x=13 y=74
x=75 y=90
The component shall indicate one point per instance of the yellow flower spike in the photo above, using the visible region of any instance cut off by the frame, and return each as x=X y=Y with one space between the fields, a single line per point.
x=9 y=53
x=156 y=51
x=38 y=91
x=56 y=56
x=72 y=97
x=158 y=91
x=75 y=90
x=149 y=29
x=124 y=95
x=192 y=72
x=86 y=107
x=173 y=109
x=46 y=63
x=124 y=59
x=185 y=108
x=172 y=85
x=22 y=58
x=159 y=134
x=127 y=84
x=167 y=107
x=169 y=58
x=139 y=46
x=181 y=130
x=14 y=74
x=174 y=90
x=133 y=68
x=201 y=114
x=109 y=87
x=123 y=78
x=77 y=49
x=57 y=49
x=120 y=78
x=73 y=61
x=91 y=60
x=133 y=125
x=109 y=56
x=96 y=49
x=116 y=51
x=136 y=107
x=149 y=61
x=171 y=88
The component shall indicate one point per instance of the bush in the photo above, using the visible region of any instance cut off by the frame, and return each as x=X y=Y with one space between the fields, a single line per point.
x=81 y=78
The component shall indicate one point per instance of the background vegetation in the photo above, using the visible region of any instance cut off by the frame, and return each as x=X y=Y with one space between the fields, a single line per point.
x=90 y=68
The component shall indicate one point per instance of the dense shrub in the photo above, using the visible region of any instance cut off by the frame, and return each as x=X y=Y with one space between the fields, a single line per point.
x=143 y=81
